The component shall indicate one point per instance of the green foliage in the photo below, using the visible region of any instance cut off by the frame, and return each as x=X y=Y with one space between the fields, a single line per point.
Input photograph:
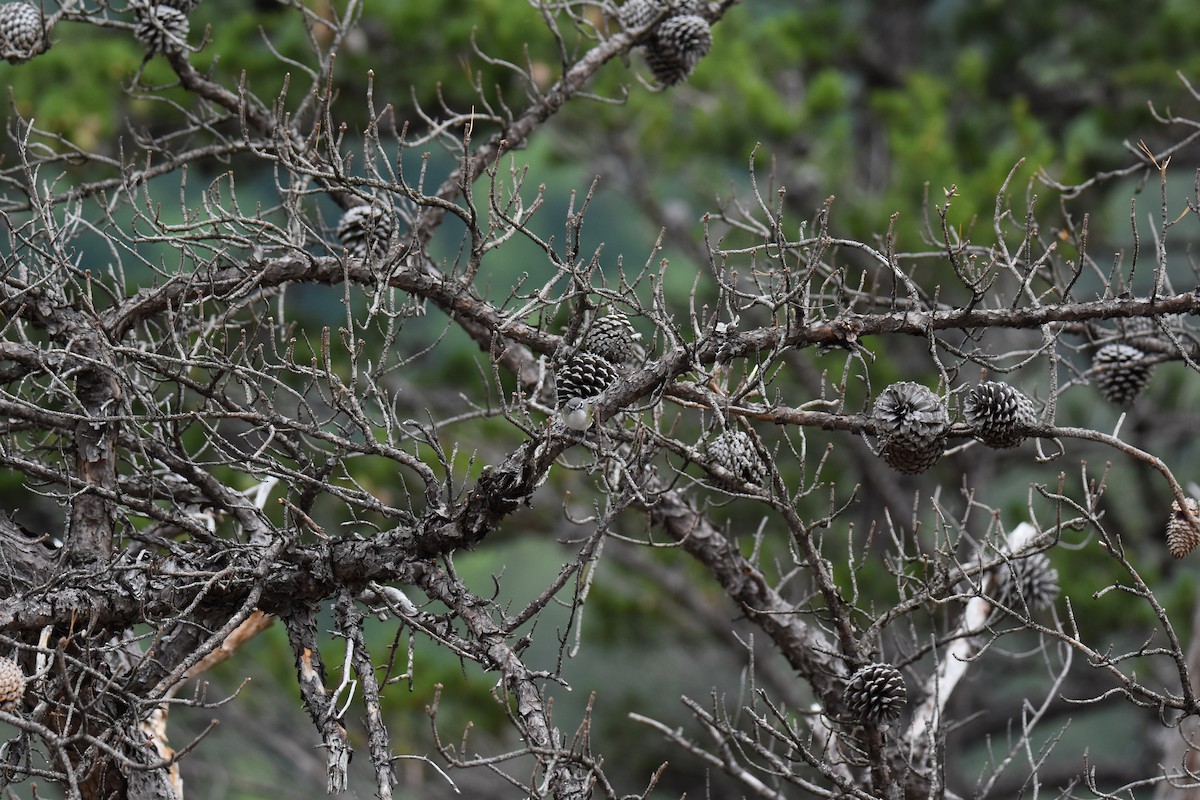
x=85 y=105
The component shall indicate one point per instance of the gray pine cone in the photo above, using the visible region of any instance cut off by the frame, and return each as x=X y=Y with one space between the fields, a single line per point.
x=1119 y=374
x=366 y=230
x=614 y=338
x=1134 y=328
x=1029 y=583
x=586 y=375
x=876 y=693
x=12 y=684
x=22 y=34
x=1182 y=537
x=161 y=28
x=994 y=410
x=676 y=47
x=912 y=425
x=638 y=13
x=734 y=451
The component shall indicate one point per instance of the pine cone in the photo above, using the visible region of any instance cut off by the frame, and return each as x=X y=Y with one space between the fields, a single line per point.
x=1134 y=328
x=1140 y=331
x=1182 y=537
x=994 y=410
x=613 y=337
x=366 y=229
x=876 y=693
x=1119 y=373
x=912 y=426
x=161 y=28
x=1029 y=583
x=12 y=684
x=734 y=451
x=22 y=34
x=638 y=13
x=676 y=47
x=586 y=375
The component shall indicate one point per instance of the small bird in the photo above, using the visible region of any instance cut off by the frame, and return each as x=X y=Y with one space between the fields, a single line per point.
x=577 y=413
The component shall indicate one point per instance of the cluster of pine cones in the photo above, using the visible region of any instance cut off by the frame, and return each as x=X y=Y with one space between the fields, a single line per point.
x=162 y=27
x=913 y=423
x=608 y=345
x=876 y=693
x=679 y=38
